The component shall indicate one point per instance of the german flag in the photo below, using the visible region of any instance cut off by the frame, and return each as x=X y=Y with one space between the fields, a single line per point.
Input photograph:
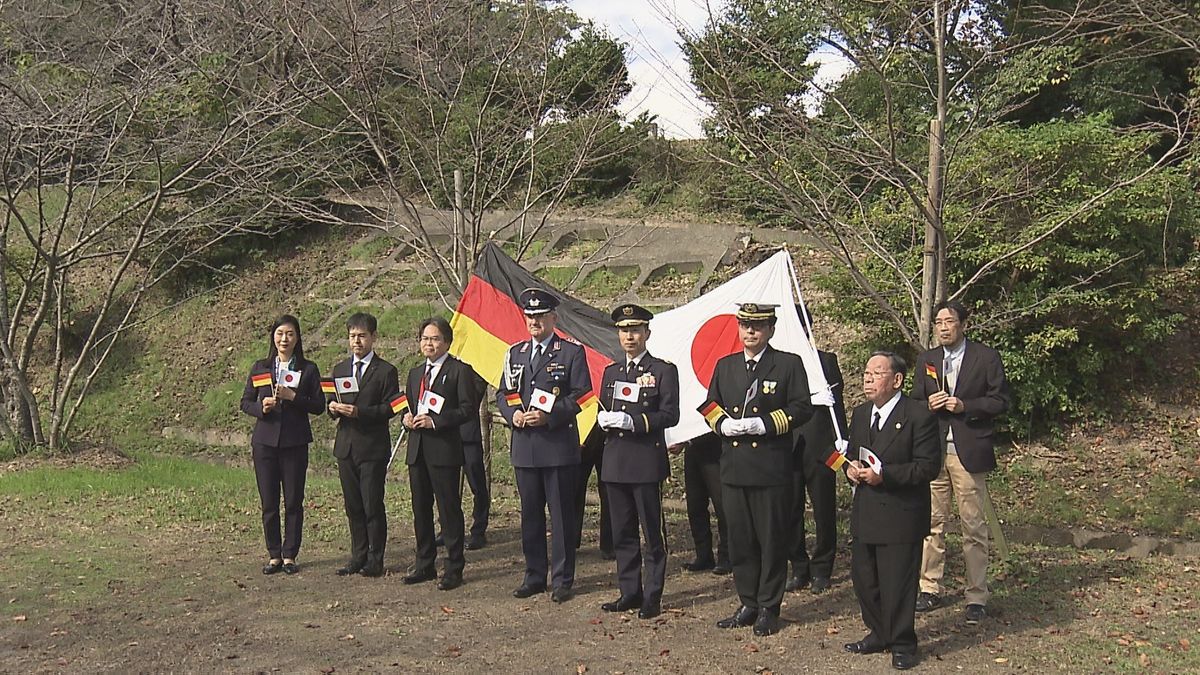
x=488 y=320
x=586 y=398
x=931 y=371
x=327 y=386
x=399 y=404
x=712 y=412
x=513 y=400
x=260 y=380
x=835 y=460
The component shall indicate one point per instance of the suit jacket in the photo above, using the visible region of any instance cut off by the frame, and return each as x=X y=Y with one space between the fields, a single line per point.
x=983 y=389
x=287 y=424
x=563 y=371
x=814 y=439
x=897 y=510
x=780 y=398
x=365 y=438
x=640 y=456
x=455 y=383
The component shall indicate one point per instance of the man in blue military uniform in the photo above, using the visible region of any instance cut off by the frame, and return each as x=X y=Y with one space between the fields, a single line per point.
x=544 y=378
x=641 y=397
x=757 y=397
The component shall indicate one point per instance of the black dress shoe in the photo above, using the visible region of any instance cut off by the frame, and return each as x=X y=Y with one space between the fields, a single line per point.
x=419 y=576
x=349 y=568
x=450 y=582
x=650 y=610
x=863 y=647
x=722 y=569
x=290 y=568
x=927 y=602
x=699 y=565
x=475 y=542
x=623 y=604
x=904 y=661
x=562 y=594
x=767 y=623
x=820 y=585
x=527 y=590
x=272 y=567
x=796 y=583
x=372 y=570
x=745 y=616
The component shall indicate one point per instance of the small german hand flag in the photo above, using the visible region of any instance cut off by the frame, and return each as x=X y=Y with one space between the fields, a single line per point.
x=399 y=404
x=931 y=371
x=835 y=460
x=513 y=400
x=260 y=380
x=585 y=398
x=712 y=412
x=327 y=386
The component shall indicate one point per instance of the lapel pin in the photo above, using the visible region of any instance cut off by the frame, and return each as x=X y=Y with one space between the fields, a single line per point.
x=897 y=425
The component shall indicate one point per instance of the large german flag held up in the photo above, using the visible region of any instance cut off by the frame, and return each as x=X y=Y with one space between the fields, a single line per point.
x=488 y=320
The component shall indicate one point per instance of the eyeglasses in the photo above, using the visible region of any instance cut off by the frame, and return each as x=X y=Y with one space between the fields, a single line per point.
x=431 y=338
x=876 y=375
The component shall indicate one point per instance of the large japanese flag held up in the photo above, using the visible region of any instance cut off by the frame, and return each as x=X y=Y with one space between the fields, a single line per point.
x=696 y=335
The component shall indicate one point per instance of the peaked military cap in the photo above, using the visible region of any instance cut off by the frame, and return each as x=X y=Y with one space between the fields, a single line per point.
x=756 y=311
x=535 y=301
x=630 y=314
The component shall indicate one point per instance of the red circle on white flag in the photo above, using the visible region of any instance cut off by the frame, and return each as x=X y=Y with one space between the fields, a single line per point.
x=346 y=385
x=625 y=391
x=717 y=338
x=289 y=377
x=541 y=399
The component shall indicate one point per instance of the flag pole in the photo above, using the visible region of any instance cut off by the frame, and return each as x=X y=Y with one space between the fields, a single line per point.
x=804 y=321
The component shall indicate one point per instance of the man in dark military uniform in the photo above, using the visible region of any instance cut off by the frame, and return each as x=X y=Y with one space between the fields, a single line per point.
x=641 y=394
x=756 y=399
x=544 y=378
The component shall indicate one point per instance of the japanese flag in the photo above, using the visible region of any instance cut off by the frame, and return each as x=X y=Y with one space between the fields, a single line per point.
x=870 y=459
x=430 y=402
x=695 y=336
x=290 y=378
x=542 y=400
x=626 y=391
x=346 y=385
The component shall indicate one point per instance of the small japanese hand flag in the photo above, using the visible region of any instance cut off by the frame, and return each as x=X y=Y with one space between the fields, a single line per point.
x=430 y=402
x=290 y=378
x=871 y=460
x=346 y=385
x=626 y=391
x=541 y=400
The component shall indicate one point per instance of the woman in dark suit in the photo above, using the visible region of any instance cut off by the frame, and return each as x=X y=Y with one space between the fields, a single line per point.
x=282 y=390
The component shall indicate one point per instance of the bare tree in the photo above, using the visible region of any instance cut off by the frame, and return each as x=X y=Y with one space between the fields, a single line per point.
x=936 y=74
x=516 y=99
x=134 y=140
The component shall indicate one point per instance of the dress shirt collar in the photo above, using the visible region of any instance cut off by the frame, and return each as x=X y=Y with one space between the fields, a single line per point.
x=955 y=353
x=886 y=411
x=437 y=365
x=635 y=360
x=533 y=344
x=366 y=361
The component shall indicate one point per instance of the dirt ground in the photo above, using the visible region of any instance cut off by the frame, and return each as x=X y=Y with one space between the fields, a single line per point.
x=174 y=600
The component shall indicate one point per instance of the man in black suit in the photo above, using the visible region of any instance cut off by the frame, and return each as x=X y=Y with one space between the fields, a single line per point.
x=814 y=443
x=963 y=384
x=757 y=397
x=442 y=392
x=641 y=393
x=363 y=444
x=476 y=472
x=894 y=442
x=543 y=381
x=701 y=485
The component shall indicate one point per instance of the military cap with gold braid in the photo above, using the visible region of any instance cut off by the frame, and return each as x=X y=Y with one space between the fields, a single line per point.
x=756 y=311
x=629 y=314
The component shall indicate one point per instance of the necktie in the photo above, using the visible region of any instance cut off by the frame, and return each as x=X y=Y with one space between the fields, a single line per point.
x=537 y=358
x=950 y=374
x=750 y=367
x=425 y=381
x=358 y=370
x=875 y=424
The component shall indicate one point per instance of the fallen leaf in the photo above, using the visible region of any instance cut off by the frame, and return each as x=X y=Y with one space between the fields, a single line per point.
x=1185 y=644
x=664 y=652
x=447 y=610
x=1144 y=660
x=750 y=648
x=347 y=636
x=832 y=630
x=595 y=621
x=328 y=670
x=581 y=669
x=1000 y=659
x=19 y=617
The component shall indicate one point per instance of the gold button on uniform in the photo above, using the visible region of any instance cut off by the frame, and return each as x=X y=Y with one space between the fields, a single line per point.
x=735 y=444
x=755 y=409
x=754 y=444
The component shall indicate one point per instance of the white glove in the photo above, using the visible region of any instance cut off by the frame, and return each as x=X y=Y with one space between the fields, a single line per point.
x=624 y=421
x=754 y=426
x=731 y=427
x=607 y=420
x=823 y=398
x=842 y=445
